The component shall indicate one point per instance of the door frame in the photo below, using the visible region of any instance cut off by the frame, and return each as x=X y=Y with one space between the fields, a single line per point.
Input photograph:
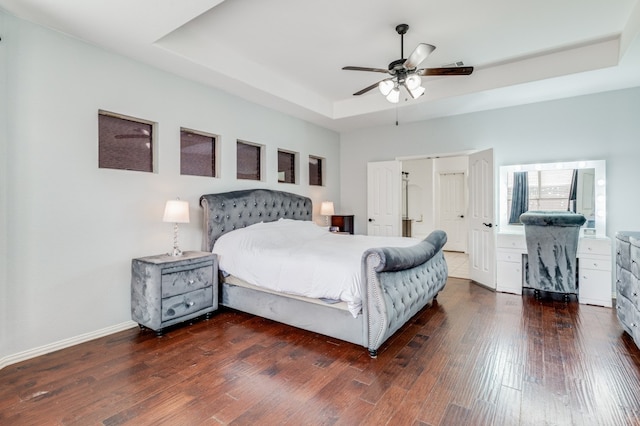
x=461 y=154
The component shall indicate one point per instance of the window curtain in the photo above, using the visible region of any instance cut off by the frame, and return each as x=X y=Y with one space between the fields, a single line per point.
x=520 y=196
x=573 y=192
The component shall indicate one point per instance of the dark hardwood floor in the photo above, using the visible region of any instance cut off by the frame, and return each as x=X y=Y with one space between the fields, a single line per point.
x=475 y=357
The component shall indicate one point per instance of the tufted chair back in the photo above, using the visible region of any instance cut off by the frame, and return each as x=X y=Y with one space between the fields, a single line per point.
x=552 y=245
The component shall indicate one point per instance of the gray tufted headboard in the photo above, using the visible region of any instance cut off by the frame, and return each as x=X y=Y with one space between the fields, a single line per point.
x=232 y=210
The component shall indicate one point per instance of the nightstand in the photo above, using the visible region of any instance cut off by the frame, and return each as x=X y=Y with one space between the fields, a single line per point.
x=344 y=222
x=167 y=290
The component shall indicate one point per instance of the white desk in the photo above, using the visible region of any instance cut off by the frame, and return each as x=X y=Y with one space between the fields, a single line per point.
x=594 y=267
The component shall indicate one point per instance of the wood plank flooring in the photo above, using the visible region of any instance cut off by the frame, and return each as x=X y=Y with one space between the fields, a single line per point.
x=474 y=357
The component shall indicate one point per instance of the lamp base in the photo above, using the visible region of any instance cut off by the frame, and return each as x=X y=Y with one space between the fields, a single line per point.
x=175 y=252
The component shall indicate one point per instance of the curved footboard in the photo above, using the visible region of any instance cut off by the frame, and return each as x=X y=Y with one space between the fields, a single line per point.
x=399 y=282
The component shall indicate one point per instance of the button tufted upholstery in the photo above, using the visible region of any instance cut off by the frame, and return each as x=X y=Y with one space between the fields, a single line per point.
x=402 y=280
x=237 y=209
x=398 y=281
x=552 y=244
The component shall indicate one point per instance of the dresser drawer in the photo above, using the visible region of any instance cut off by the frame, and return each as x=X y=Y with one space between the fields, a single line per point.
x=628 y=316
x=623 y=252
x=180 y=280
x=187 y=303
x=635 y=258
x=627 y=285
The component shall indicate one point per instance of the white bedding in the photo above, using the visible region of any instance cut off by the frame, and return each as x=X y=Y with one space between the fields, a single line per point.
x=301 y=258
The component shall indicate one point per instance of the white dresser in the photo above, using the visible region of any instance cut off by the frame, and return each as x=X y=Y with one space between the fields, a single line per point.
x=594 y=267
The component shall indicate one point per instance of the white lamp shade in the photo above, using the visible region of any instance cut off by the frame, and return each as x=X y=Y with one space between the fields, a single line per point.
x=417 y=92
x=394 y=96
x=326 y=208
x=413 y=81
x=385 y=86
x=176 y=211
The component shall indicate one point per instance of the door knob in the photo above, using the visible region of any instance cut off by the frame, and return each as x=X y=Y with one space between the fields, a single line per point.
x=461 y=216
x=488 y=225
x=371 y=220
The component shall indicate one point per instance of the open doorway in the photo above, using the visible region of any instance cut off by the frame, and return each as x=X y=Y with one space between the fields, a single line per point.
x=420 y=209
x=457 y=263
x=435 y=197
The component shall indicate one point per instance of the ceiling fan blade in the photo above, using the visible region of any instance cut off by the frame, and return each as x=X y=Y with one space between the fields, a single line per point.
x=447 y=71
x=366 y=89
x=365 y=69
x=418 y=55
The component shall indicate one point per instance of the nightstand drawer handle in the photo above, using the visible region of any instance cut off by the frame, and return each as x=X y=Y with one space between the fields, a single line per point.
x=191 y=282
x=190 y=304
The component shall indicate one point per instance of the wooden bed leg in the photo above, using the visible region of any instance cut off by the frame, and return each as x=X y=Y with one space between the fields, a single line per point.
x=373 y=353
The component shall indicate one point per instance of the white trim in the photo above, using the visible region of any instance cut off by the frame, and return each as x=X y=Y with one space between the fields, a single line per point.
x=61 y=344
x=435 y=156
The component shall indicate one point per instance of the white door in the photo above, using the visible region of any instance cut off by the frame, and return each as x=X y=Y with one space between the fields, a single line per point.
x=452 y=212
x=482 y=263
x=384 y=198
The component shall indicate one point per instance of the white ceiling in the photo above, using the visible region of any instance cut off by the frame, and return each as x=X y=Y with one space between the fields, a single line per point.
x=288 y=54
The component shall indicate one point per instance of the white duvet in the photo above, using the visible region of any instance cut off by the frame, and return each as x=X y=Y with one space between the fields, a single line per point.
x=301 y=258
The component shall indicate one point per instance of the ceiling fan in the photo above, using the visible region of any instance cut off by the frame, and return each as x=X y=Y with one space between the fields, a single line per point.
x=405 y=72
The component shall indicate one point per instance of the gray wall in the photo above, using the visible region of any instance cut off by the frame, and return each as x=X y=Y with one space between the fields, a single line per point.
x=4 y=185
x=603 y=126
x=72 y=228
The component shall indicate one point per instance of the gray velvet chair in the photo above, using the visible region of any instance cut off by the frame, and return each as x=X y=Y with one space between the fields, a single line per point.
x=552 y=245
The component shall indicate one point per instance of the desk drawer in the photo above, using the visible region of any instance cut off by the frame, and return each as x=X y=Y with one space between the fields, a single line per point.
x=512 y=241
x=599 y=263
x=589 y=246
x=509 y=256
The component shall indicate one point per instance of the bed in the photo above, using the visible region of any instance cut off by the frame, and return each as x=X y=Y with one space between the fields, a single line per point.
x=395 y=282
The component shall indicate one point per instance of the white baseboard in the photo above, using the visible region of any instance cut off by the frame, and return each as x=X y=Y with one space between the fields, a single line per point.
x=52 y=347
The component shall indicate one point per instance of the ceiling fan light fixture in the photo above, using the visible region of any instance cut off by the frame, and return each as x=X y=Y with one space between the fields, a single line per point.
x=385 y=86
x=405 y=72
x=394 y=95
x=415 y=93
x=413 y=81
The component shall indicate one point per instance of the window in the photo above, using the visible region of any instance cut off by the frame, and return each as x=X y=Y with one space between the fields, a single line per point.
x=124 y=143
x=548 y=189
x=286 y=167
x=197 y=153
x=249 y=159
x=316 y=172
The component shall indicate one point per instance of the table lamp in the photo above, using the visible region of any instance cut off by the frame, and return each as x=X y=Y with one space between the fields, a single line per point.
x=326 y=209
x=176 y=211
